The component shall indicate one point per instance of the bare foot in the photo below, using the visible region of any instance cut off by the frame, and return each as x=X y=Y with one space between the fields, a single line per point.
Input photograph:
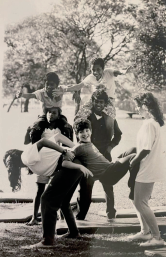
x=32 y=222
x=68 y=235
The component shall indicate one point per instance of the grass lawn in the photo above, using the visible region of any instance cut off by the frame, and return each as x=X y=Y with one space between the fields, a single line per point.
x=13 y=236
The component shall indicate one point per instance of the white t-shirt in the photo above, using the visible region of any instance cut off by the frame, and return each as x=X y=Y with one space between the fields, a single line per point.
x=47 y=102
x=149 y=138
x=45 y=161
x=107 y=80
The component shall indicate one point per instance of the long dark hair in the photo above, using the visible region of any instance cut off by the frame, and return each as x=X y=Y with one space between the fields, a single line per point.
x=149 y=100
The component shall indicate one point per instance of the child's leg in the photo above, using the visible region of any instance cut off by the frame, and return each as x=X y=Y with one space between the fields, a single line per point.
x=116 y=171
x=84 y=197
x=142 y=195
x=53 y=198
x=40 y=190
x=128 y=152
x=73 y=231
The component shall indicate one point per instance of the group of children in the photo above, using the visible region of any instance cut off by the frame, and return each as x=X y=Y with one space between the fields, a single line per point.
x=43 y=156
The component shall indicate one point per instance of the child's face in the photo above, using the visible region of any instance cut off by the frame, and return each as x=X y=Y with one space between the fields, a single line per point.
x=98 y=105
x=84 y=135
x=50 y=86
x=97 y=71
x=142 y=110
x=52 y=115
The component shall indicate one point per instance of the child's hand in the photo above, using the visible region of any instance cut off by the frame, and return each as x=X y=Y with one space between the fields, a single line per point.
x=57 y=92
x=70 y=156
x=133 y=162
x=86 y=172
x=19 y=93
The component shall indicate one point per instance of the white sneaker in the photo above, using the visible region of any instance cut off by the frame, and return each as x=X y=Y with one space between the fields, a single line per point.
x=153 y=242
x=140 y=236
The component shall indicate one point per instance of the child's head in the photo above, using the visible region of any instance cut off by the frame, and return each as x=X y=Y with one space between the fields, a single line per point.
x=53 y=114
x=83 y=130
x=51 y=81
x=97 y=67
x=99 y=100
x=148 y=103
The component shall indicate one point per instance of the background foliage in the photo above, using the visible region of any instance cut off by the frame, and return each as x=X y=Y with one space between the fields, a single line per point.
x=75 y=31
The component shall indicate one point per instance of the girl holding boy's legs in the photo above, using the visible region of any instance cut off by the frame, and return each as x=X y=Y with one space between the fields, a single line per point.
x=148 y=156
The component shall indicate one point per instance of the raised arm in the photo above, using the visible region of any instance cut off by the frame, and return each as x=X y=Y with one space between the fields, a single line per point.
x=62 y=89
x=117 y=72
x=76 y=87
x=26 y=95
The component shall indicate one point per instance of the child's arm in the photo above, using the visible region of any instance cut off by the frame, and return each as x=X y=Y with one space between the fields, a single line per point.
x=75 y=166
x=27 y=95
x=62 y=89
x=76 y=87
x=64 y=140
x=141 y=155
x=49 y=144
x=117 y=72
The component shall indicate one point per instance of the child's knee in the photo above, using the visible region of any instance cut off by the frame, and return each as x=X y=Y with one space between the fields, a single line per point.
x=140 y=204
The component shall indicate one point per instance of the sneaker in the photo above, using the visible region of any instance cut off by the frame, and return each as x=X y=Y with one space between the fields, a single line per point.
x=153 y=242
x=140 y=236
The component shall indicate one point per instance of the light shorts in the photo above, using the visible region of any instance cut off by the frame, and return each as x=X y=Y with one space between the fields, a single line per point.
x=42 y=179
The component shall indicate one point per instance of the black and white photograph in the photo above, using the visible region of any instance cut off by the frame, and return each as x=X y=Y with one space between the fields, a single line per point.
x=83 y=128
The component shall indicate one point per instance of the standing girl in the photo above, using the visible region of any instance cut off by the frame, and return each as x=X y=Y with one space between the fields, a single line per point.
x=150 y=158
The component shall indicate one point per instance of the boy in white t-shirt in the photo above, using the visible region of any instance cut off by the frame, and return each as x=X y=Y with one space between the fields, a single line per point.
x=49 y=100
x=99 y=76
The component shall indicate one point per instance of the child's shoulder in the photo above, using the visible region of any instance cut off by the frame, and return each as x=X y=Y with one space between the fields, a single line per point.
x=80 y=146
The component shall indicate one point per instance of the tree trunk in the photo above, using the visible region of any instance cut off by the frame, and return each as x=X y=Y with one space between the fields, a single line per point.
x=26 y=103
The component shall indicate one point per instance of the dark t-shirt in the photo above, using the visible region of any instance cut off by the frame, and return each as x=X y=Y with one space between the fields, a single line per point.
x=91 y=158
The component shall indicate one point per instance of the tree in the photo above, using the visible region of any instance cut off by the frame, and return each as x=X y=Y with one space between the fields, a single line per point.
x=65 y=40
x=150 y=48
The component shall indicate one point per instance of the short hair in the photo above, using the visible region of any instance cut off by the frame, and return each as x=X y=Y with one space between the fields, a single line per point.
x=100 y=94
x=97 y=61
x=52 y=76
x=149 y=100
x=81 y=124
x=58 y=108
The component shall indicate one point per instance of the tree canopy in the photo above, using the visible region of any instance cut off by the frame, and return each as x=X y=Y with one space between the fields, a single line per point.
x=75 y=31
x=149 y=53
